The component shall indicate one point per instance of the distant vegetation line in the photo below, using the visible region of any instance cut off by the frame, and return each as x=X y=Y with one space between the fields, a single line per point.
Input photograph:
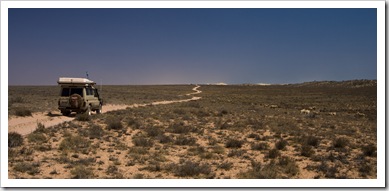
x=314 y=82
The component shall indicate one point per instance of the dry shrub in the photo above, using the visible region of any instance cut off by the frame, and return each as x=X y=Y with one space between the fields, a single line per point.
x=114 y=123
x=183 y=140
x=273 y=153
x=73 y=143
x=142 y=142
x=30 y=168
x=281 y=144
x=369 y=150
x=83 y=117
x=154 y=131
x=269 y=171
x=82 y=172
x=191 y=169
x=14 y=139
x=23 y=112
x=234 y=143
x=259 y=146
x=340 y=142
x=95 y=132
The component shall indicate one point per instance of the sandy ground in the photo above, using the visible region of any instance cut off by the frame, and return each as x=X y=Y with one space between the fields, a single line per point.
x=26 y=125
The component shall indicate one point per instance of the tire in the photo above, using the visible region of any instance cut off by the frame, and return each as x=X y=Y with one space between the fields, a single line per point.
x=100 y=110
x=75 y=101
x=65 y=113
x=88 y=110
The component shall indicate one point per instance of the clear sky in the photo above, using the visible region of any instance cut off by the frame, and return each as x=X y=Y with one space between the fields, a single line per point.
x=182 y=46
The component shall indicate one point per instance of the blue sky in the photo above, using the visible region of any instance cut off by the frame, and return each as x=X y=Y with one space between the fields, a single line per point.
x=182 y=46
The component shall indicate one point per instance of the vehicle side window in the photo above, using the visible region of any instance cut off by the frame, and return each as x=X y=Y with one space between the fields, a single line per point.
x=96 y=93
x=89 y=91
x=65 y=92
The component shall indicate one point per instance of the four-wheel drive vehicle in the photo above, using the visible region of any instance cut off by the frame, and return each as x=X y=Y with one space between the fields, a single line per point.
x=78 y=95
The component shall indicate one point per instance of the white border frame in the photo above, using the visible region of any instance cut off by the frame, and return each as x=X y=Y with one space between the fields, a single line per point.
x=379 y=182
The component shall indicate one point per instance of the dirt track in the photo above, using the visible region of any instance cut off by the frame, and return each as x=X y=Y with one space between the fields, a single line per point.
x=26 y=125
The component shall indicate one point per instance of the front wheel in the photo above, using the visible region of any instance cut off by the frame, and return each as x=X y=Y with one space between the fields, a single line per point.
x=100 y=110
x=88 y=110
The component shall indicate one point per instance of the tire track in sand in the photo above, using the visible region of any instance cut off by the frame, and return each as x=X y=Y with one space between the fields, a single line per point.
x=26 y=125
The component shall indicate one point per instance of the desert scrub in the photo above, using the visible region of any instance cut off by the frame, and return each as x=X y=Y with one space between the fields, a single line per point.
x=13 y=100
x=37 y=137
x=114 y=123
x=14 y=139
x=340 y=142
x=154 y=131
x=369 y=150
x=306 y=150
x=81 y=172
x=218 y=149
x=273 y=153
x=288 y=165
x=82 y=117
x=183 y=140
x=95 y=132
x=225 y=165
x=142 y=141
x=258 y=171
x=281 y=144
x=190 y=169
x=30 y=168
x=234 y=143
x=259 y=146
x=23 y=112
x=179 y=128
x=311 y=140
x=114 y=172
x=236 y=153
x=134 y=123
x=74 y=143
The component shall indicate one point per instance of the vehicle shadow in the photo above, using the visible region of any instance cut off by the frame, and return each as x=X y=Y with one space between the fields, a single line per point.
x=49 y=114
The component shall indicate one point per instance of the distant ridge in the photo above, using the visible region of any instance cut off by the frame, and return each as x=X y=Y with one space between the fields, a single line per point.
x=346 y=83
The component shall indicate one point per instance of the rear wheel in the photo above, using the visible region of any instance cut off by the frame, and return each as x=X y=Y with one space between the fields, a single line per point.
x=65 y=113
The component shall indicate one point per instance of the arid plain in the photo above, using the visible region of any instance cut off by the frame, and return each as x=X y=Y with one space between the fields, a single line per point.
x=311 y=130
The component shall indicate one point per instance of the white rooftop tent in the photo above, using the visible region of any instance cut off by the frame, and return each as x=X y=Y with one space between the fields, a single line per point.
x=67 y=80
